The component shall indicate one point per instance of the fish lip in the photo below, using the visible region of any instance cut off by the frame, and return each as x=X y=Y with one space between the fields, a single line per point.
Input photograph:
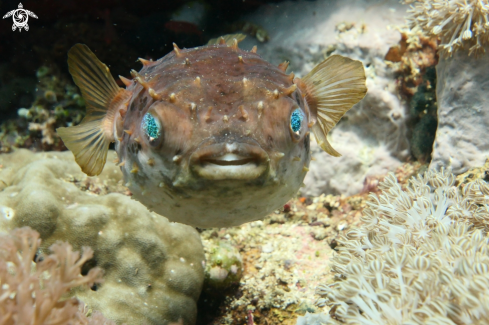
x=230 y=160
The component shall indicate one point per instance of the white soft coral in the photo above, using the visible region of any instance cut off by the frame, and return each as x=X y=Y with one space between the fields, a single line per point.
x=459 y=23
x=425 y=260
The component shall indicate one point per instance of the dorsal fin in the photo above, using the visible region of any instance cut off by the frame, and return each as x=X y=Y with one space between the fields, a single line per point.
x=228 y=39
x=89 y=141
x=331 y=89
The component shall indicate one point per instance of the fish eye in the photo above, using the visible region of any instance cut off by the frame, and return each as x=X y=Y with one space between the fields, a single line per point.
x=151 y=127
x=296 y=119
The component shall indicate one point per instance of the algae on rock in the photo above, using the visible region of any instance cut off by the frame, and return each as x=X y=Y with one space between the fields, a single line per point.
x=153 y=269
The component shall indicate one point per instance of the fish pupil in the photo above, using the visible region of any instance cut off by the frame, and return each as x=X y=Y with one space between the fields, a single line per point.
x=296 y=120
x=151 y=126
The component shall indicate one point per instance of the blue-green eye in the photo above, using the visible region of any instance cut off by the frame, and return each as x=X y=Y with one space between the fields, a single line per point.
x=151 y=127
x=296 y=120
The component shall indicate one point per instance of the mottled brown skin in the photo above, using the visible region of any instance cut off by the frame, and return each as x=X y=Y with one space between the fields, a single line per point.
x=171 y=175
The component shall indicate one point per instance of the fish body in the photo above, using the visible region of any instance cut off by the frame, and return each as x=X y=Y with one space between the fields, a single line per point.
x=212 y=136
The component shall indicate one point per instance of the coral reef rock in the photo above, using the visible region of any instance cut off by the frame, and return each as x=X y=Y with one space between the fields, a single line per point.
x=153 y=269
x=462 y=93
x=372 y=135
x=420 y=257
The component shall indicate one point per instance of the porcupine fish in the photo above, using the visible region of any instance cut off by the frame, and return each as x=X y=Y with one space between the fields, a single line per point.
x=212 y=136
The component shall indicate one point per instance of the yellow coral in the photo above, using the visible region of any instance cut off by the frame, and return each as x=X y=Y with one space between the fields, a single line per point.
x=421 y=256
x=459 y=23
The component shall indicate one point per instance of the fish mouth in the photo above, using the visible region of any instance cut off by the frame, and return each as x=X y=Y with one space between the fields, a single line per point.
x=236 y=161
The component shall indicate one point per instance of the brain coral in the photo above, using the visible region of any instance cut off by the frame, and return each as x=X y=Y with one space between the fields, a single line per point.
x=459 y=23
x=421 y=256
x=153 y=269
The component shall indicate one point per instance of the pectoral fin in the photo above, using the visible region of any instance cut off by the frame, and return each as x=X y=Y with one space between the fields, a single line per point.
x=331 y=89
x=89 y=141
x=227 y=39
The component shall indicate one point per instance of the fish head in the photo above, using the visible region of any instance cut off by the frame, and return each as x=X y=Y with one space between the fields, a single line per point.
x=216 y=136
x=246 y=140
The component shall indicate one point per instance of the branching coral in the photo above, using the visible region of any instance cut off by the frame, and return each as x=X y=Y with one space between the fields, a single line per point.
x=33 y=293
x=459 y=23
x=421 y=256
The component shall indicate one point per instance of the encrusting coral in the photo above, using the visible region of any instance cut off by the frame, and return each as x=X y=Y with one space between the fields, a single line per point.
x=153 y=269
x=33 y=287
x=459 y=23
x=224 y=267
x=421 y=256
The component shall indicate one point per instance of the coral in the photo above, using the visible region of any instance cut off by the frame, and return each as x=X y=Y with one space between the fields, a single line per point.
x=33 y=287
x=420 y=257
x=153 y=269
x=411 y=59
x=224 y=267
x=459 y=23
x=57 y=103
x=473 y=174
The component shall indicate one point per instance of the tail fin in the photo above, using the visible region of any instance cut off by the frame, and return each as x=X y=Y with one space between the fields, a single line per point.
x=331 y=89
x=89 y=141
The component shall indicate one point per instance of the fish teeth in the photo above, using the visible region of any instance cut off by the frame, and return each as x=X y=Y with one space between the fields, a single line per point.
x=230 y=157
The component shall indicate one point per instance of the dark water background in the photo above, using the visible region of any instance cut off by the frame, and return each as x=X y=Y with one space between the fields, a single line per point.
x=118 y=31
